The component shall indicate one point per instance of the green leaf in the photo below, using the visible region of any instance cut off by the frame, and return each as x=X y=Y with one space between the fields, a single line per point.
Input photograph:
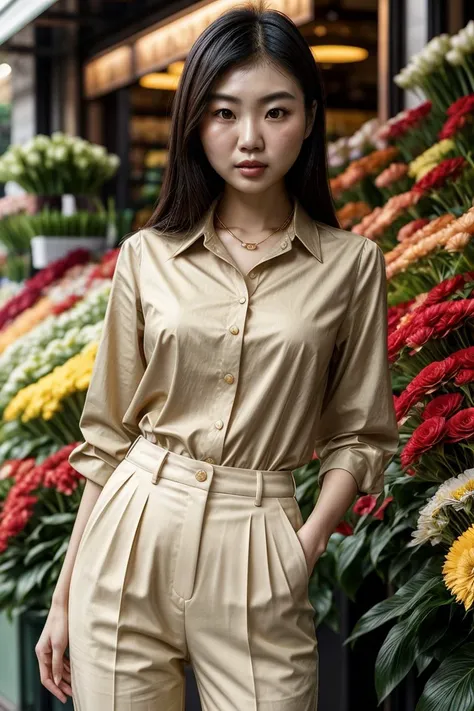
x=59 y=518
x=39 y=548
x=348 y=550
x=383 y=537
x=399 y=651
x=399 y=604
x=451 y=687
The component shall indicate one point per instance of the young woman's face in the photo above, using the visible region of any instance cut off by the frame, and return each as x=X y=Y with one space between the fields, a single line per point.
x=246 y=120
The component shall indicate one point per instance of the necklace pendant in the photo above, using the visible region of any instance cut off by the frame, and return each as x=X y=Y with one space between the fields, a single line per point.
x=249 y=245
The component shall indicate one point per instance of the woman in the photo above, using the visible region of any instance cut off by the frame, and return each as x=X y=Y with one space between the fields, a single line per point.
x=243 y=330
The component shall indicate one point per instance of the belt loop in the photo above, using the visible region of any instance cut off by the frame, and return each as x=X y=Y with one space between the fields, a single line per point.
x=294 y=484
x=258 y=494
x=156 y=473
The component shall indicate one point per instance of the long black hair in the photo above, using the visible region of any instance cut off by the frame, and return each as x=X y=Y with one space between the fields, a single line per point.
x=243 y=35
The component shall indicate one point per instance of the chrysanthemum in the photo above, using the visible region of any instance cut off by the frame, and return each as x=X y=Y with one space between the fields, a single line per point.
x=458 y=568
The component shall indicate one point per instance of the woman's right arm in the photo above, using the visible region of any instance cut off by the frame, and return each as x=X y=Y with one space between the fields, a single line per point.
x=54 y=669
x=118 y=369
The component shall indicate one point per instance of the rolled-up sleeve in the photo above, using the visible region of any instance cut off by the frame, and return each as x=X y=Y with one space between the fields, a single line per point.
x=358 y=428
x=118 y=368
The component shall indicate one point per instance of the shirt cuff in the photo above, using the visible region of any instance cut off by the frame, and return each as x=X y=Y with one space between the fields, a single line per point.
x=85 y=460
x=365 y=468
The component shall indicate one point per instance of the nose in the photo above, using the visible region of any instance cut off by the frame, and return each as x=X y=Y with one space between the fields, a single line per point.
x=250 y=136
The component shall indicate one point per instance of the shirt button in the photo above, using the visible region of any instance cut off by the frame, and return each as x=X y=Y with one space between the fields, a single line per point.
x=234 y=330
x=219 y=424
x=201 y=475
x=229 y=378
x=252 y=275
x=283 y=244
x=242 y=299
x=210 y=460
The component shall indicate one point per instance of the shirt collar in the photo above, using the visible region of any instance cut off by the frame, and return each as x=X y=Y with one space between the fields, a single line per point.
x=303 y=226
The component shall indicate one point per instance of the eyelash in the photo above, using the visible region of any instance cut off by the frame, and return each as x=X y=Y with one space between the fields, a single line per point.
x=285 y=112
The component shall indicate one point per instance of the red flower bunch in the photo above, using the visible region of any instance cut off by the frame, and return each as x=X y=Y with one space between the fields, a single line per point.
x=438 y=429
x=409 y=121
x=33 y=287
x=434 y=317
x=105 y=269
x=463 y=105
x=452 y=126
x=366 y=504
x=54 y=472
x=443 y=406
x=448 y=169
x=431 y=378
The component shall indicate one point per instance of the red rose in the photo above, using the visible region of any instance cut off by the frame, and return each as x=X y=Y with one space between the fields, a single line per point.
x=433 y=375
x=423 y=439
x=419 y=336
x=460 y=426
x=443 y=406
x=464 y=377
x=420 y=111
x=452 y=126
x=364 y=504
x=344 y=528
x=463 y=105
x=465 y=357
x=448 y=169
x=444 y=290
x=405 y=402
x=380 y=511
x=396 y=341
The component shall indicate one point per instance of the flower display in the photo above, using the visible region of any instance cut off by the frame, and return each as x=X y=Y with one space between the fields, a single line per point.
x=58 y=165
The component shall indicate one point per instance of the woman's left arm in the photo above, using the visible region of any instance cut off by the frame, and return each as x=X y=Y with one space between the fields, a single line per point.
x=358 y=432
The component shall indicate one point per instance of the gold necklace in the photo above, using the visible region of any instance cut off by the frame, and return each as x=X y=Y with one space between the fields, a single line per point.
x=253 y=245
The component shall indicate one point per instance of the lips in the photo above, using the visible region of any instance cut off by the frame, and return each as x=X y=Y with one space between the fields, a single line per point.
x=250 y=164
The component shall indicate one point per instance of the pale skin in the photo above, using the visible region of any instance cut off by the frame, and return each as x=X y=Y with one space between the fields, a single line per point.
x=252 y=208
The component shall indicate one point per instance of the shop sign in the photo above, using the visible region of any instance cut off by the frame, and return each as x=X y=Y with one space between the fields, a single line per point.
x=108 y=72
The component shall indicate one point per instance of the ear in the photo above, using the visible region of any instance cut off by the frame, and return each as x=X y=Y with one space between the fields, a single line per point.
x=310 y=119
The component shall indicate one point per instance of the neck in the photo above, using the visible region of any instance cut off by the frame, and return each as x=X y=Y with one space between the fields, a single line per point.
x=254 y=213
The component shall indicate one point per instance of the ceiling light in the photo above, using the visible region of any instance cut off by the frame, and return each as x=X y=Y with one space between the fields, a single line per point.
x=5 y=70
x=175 y=67
x=338 y=53
x=320 y=30
x=160 y=80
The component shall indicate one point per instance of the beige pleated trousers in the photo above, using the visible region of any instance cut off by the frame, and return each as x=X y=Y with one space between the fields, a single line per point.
x=182 y=560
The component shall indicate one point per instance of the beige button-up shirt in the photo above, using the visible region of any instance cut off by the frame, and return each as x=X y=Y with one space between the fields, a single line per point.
x=252 y=370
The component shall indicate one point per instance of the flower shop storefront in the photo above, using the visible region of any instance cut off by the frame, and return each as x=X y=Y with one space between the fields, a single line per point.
x=393 y=593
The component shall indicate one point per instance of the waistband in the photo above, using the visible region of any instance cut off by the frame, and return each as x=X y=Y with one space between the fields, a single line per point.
x=161 y=462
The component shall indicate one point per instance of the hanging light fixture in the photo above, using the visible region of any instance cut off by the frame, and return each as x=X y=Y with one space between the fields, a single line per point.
x=338 y=53
x=160 y=80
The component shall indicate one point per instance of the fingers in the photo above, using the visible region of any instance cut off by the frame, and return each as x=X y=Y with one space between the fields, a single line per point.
x=61 y=689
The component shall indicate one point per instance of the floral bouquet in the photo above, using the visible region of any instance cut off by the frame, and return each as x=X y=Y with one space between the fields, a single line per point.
x=58 y=165
x=40 y=504
x=413 y=130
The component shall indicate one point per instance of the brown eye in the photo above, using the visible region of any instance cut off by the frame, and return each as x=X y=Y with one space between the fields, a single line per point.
x=216 y=113
x=284 y=112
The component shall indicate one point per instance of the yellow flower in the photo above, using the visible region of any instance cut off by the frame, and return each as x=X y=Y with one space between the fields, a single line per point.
x=431 y=157
x=458 y=569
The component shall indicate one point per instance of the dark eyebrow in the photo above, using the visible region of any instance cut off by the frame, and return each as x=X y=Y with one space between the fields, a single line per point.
x=262 y=100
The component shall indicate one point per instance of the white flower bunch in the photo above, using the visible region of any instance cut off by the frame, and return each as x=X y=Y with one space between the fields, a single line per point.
x=462 y=45
x=41 y=361
x=58 y=165
x=89 y=310
x=456 y=493
x=352 y=147
x=424 y=63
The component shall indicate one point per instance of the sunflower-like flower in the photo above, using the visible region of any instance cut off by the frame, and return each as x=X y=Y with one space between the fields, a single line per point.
x=458 y=568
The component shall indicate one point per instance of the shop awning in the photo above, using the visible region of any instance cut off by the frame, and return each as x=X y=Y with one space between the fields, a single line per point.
x=15 y=14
